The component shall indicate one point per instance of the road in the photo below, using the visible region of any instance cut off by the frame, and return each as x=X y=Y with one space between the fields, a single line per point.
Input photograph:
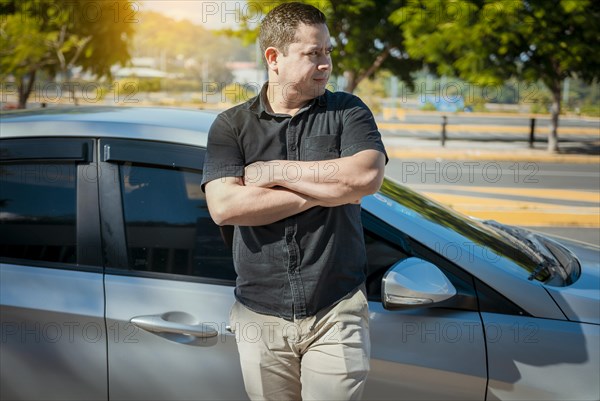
x=559 y=199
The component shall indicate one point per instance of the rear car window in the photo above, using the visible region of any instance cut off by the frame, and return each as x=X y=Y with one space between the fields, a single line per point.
x=38 y=211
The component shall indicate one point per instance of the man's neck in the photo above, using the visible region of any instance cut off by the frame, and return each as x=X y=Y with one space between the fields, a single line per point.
x=277 y=103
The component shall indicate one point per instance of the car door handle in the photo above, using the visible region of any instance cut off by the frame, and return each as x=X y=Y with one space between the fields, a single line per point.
x=158 y=324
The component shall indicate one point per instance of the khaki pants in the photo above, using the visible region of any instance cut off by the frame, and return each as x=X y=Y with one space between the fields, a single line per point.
x=323 y=357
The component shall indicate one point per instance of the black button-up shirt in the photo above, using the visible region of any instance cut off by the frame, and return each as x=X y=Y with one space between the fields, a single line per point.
x=304 y=263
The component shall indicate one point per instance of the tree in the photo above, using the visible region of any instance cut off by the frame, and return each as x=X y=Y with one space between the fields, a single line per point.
x=490 y=41
x=54 y=36
x=365 y=41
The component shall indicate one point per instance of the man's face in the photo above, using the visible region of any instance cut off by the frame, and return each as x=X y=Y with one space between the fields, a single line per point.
x=305 y=70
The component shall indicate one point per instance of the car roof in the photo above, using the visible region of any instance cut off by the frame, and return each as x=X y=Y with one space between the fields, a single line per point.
x=185 y=126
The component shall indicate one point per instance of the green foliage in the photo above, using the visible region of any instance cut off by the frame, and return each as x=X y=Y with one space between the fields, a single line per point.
x=147 y=84
x=373 y=90
x=428 y=107
x=490 y=41
x=51 y=36
x=40 y=32
x=23 y=46
x=365 y=40
x=180 y=85
x=589 y=110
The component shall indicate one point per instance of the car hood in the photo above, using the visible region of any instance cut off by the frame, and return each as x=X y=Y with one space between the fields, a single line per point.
x=580 y=301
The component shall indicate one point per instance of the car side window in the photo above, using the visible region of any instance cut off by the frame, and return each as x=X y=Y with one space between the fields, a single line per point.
x=381 y=256
x=168 y=226
x=38 y=208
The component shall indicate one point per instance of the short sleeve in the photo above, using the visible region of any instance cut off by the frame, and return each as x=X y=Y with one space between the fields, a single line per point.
x=359 y=131
x=224 y=157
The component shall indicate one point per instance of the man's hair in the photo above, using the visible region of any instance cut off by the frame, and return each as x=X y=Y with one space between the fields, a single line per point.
x=278 y=29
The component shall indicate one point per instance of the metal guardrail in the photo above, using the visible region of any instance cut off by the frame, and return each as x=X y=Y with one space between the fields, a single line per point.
x=444 y=135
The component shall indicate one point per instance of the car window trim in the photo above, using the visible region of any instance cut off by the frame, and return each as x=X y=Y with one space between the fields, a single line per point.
x=112 y=222
x=150 y=152
x=168 y=276
x=89 y=244
x=44 y=149
x=491 y=301
x=51 y=265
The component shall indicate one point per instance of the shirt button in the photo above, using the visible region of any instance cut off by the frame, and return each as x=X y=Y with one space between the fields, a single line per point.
x=293 y=148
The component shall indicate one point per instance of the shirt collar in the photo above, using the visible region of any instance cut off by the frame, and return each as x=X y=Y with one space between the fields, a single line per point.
x=258 y=105
x=259 y=102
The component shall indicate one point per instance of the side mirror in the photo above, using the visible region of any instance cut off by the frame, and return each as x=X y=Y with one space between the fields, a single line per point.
x=414 y=282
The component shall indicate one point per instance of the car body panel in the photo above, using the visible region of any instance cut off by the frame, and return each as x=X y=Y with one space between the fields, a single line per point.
x=160 y=124
x=541 y=359
x=53 y=334
x=117 y=130
x=578 y=301
x=427 y=354
x=150 y=366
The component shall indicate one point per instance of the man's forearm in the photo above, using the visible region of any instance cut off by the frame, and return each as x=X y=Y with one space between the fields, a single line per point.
x=341 y=180
x=254 y=206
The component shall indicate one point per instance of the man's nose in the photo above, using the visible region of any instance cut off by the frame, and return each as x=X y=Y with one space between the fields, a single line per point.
x=324 y=65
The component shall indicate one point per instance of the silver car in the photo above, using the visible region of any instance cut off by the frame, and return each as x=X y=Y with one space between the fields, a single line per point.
x=116 y=284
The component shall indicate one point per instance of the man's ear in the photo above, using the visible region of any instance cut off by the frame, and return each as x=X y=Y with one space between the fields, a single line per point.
x=271 y=55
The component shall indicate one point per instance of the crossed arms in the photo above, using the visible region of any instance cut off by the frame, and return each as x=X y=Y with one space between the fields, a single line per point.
x=273 y=190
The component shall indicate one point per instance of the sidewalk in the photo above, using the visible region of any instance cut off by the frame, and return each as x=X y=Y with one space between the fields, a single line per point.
x=405 y=147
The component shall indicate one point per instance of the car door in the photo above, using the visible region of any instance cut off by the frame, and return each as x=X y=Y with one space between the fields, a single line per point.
x=435 y=353
x=53 y=338
x=169 y=277
x=168 y=267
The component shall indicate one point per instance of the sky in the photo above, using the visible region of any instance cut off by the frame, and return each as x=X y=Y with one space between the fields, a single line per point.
x=209 y=14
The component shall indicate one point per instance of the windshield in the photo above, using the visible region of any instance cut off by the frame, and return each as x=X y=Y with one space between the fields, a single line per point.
x=484 y=235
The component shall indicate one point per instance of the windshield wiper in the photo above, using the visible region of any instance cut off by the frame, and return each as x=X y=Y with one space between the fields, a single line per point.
x=543 y=267
x=530 y=244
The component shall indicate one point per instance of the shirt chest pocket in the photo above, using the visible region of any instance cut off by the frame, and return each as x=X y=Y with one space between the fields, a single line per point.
x=322 y=147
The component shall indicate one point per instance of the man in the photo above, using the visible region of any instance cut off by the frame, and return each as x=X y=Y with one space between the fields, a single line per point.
x=288 y=169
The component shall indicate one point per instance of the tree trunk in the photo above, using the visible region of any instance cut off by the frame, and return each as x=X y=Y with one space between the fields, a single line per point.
x=555 y=110
x=25 y=86
x=352 y=79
